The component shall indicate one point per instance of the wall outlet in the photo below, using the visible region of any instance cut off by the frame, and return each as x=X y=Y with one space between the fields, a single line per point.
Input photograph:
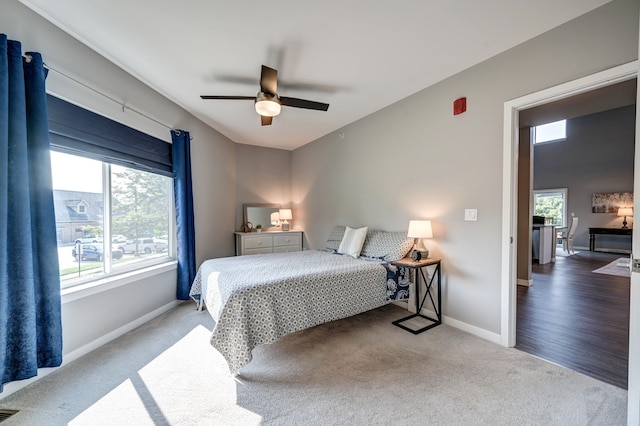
x=471 y=215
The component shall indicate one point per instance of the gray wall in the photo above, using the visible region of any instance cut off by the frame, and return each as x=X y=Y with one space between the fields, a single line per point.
x=416 y=160
x=596 y=157
x=264 y=176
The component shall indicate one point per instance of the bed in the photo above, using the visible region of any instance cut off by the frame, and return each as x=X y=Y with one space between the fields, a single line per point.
x=257 y=299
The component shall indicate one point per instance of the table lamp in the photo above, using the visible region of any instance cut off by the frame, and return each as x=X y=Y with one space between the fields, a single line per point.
x=625 y=211
x=420 y=229
x=285 y=215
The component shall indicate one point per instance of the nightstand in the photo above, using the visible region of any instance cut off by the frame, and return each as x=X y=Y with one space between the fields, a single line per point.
x=419 y=268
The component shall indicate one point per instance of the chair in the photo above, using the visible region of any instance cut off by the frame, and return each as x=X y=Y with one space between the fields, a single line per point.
x=567 y=237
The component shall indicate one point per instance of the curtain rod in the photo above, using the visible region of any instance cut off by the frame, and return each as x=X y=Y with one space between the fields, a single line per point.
x=108 y=97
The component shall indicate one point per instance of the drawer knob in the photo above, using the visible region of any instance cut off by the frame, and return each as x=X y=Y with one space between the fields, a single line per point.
x=259 y=242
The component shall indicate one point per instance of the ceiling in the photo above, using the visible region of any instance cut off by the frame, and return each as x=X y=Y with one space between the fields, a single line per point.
x=357 y=55
x=606 y=98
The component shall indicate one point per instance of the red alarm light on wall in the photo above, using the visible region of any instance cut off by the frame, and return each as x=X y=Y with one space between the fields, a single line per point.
x=459 y=106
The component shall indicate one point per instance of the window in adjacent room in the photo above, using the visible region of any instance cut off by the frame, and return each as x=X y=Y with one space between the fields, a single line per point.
x=550 y=132
x=125 y=221
x=551 y=203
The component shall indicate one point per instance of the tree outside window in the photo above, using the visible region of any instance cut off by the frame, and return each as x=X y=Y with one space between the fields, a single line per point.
x=551 y=203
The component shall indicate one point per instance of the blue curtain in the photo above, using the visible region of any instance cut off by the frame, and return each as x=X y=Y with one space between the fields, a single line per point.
x=30 y=324
x=185 y=229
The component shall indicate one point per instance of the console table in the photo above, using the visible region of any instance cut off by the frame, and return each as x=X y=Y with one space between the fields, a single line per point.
x=606 y=231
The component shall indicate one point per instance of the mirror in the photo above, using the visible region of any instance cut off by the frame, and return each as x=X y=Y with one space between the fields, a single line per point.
x=260 y=214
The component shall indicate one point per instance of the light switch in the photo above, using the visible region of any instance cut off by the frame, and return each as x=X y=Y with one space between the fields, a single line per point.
x=471 y=214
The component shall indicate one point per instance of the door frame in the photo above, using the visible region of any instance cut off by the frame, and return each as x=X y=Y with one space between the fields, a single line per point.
x=512 y=108
x=509 y=233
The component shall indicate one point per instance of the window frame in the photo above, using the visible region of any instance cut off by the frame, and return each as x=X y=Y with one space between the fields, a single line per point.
x=535 y=128
x=563 y=191
x=108 y=275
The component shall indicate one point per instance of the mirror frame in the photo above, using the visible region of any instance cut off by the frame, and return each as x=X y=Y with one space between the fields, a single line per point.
x=245 y=214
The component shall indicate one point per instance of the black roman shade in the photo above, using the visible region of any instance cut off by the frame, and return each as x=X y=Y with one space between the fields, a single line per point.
x=76 y=130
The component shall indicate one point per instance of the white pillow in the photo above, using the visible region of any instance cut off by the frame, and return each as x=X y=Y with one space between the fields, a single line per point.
x=352 y=241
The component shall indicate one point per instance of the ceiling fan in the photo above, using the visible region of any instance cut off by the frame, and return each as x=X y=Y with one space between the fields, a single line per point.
x=267 y=101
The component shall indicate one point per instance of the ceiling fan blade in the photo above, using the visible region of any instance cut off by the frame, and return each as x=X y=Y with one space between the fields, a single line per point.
x=240 y=98
x=303 y=103
x=269 y=80
x=266 y=121
x=290 y=85
x=313 y=87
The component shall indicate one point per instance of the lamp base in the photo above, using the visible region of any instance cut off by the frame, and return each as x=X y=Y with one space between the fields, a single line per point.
x=417 y=255
x=624 y=223
x=285 y=226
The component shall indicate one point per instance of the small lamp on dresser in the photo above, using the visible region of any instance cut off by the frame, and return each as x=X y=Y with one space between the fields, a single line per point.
x=285 y=215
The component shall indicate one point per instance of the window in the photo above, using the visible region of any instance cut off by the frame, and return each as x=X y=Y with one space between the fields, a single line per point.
x=125 y=222
x=113 y=195
x=550 y=132
x=551 y=203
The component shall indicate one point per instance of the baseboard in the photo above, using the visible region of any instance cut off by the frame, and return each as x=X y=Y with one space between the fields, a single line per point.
x=12 y=387
x=526 y=283
x=468 y=328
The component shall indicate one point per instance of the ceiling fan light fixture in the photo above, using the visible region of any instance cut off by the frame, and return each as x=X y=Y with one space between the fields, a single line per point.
x=267 y=105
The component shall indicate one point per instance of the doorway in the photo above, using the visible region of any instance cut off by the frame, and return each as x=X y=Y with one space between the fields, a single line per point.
x=510 y=190
x=570 y=315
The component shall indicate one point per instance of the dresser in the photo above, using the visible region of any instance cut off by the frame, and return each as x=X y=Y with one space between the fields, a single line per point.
x=268 y=242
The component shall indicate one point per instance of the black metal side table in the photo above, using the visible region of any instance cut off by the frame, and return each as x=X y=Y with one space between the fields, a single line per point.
x=419 y=267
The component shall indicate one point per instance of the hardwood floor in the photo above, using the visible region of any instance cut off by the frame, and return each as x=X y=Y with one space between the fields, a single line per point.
x=577 y=318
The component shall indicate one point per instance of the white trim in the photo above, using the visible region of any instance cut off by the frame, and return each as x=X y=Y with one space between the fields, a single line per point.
x=472 y=329
x=12 y=387
x=526 y=283
x=98 y=286
x=510 y=177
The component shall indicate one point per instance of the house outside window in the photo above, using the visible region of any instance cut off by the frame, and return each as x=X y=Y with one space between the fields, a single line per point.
x=109 y=218
x=552 y=204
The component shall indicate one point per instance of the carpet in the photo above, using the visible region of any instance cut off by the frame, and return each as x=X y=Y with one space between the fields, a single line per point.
x=560 y=252
x=358 y=371
x=619 y=267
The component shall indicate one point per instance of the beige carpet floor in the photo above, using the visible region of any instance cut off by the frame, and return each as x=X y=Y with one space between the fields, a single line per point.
x=357 y=371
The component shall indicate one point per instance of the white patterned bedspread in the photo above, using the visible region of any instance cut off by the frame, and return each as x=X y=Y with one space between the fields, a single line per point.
x=257 y=299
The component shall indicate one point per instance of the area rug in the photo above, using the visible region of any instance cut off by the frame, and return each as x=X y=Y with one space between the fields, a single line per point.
x=618 y=267
x=562 y=253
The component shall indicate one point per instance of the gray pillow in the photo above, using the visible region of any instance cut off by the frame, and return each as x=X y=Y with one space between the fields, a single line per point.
x=386 y=245
x=335 y=237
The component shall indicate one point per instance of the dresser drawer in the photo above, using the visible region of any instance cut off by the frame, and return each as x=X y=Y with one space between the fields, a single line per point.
x=288 y=240
x=285 y=249
x=263 y=250
x=261 y=241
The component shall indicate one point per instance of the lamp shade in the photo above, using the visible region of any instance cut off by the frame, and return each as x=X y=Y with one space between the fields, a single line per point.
x=420 y=229
x=285 y=214
x=625 y=211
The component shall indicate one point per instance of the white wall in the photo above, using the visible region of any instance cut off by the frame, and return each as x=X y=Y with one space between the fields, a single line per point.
x=416 y=160
x=90 y=320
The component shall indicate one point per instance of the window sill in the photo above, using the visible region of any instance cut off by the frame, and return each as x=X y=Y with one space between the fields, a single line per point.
x=98 y=286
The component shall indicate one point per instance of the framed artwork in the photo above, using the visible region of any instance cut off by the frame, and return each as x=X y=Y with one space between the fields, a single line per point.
x=610 y=202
